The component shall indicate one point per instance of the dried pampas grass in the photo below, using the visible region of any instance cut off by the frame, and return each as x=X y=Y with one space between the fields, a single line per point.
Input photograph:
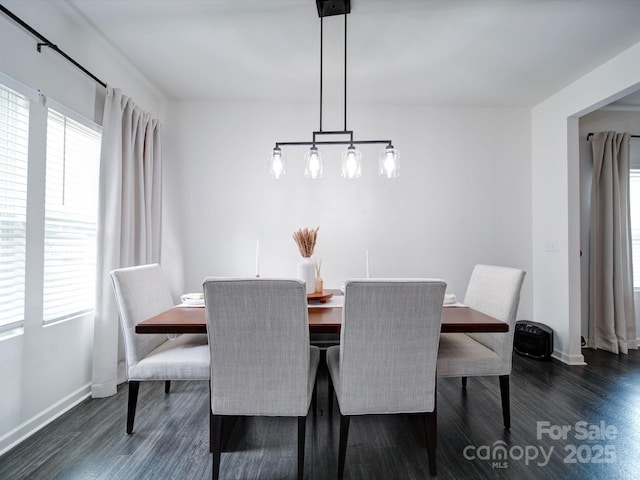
x=306 y=240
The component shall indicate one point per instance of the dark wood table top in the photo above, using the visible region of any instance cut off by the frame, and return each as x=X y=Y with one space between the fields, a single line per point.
x=321 y=320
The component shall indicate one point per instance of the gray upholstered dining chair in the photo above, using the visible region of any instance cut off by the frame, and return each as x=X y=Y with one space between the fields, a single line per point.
x=386 y=360
x=495 y=291
x=141 y=292
x=261 y=360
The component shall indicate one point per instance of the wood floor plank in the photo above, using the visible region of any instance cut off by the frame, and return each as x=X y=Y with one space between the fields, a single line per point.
x=171 y=433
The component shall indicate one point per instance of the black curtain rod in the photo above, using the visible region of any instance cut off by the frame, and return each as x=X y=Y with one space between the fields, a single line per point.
x=590 y=134
x=47 y=43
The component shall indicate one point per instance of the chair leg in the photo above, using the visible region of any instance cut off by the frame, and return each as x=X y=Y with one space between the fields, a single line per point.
x=435 y=414
x=464 y=383
x=330 y=394
x=134 y=387
x=431 y=433
x=167 y=386
x=314 y=398
x=342 y=448
x=302 y=423
x=215 y=425
x=210 y=421
x=504 y=394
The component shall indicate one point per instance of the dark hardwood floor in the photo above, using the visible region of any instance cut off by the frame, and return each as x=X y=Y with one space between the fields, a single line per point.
x=170 y=439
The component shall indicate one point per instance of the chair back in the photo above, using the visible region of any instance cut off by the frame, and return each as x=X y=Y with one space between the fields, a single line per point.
x=141 y=292
x=259 y=340
x=389 y=345
x=495 y=291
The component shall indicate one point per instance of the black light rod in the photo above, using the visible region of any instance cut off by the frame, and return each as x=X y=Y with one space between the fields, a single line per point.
x=333 y=142
x=345 y=71
x=48 y=43
x=321 y=42
x=334 y=132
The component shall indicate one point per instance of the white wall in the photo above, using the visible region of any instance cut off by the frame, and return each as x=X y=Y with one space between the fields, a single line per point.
x=600 y=121
x=463 y=196
x=556 y=195
x=46 y=370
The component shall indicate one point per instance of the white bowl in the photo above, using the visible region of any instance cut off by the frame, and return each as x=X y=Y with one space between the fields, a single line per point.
x=192 y=298
x=194 y=303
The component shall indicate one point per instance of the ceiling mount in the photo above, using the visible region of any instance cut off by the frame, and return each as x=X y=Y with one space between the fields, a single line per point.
x=327 y=8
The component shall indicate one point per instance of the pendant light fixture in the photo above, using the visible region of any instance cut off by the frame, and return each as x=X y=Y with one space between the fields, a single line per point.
x=276 y=164
x=351 y=167
x=388 y=166
x=314 y=165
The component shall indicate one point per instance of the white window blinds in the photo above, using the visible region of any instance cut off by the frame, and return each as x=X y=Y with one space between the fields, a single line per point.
x=14 y=137
x=634 y=200
x=73 y=158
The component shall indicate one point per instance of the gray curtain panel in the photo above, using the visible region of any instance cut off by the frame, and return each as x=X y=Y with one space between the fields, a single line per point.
x=129 y=221
x=611 y=307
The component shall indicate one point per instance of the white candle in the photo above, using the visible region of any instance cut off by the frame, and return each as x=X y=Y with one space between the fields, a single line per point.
x=367 y=256
x=257 y=258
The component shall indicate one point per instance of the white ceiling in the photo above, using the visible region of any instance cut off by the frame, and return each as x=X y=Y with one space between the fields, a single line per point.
x=446 y=52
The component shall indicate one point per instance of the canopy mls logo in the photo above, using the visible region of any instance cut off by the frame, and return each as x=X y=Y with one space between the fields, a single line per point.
x=590 y=446
x=499 y=454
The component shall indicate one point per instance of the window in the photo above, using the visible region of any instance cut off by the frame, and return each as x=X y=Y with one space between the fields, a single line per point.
x=14 y=136
x=71 y=208
x=65 y=183
x=634 y=200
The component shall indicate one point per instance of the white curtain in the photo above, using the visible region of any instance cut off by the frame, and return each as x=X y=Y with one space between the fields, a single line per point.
x=612 y=324
x=129 y=222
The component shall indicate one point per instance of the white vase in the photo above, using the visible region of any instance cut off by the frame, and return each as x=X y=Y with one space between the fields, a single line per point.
x=307 y=273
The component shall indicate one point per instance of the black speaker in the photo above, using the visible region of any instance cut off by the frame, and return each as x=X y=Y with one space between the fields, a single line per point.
x=532 y=339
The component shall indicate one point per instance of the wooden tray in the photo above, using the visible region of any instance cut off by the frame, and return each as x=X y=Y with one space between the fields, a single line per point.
x=319 y=297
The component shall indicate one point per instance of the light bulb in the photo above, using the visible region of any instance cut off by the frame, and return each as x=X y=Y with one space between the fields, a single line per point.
x=313 y=168
x=389 y=165
x=351 y=163
x=276 y=164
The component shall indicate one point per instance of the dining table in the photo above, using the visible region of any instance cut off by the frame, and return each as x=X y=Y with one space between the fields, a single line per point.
x=323 y=319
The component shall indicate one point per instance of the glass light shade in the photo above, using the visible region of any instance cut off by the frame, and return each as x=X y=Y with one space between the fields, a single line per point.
x=389 y=162
x=351 y=163
x=313 y=167
x=276 y=164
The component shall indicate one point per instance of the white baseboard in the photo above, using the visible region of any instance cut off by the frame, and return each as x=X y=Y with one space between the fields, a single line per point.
x=31 y=426
x=568 y=359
